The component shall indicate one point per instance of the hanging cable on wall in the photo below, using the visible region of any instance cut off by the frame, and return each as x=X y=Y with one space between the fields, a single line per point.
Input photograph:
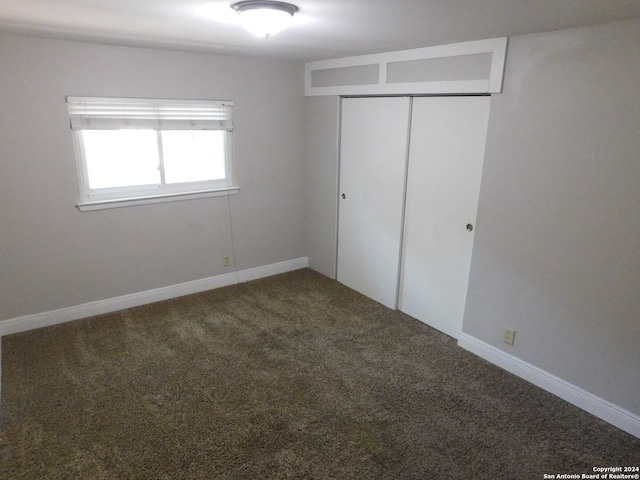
x=233 y=265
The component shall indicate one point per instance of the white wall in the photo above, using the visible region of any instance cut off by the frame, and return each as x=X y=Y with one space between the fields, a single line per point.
x=322 y=183
x=557 y=247
x=53 y=256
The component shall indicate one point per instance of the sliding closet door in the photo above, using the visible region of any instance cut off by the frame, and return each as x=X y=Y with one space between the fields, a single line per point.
x=445 y=164
x=373 y=153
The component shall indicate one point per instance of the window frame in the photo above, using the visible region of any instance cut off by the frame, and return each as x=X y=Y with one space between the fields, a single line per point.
x=102 y=198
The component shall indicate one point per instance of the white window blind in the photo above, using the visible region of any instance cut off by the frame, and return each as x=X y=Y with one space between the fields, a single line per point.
x=93 y=113
x=135 y=151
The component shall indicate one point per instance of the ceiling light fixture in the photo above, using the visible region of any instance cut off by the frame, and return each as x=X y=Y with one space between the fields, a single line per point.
x=264 y=18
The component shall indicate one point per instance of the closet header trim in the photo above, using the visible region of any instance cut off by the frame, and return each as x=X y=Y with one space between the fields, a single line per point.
x=460 y=68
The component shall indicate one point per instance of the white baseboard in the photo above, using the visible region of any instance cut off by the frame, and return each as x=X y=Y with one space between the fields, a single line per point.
x=45 y=319
x=593 y=404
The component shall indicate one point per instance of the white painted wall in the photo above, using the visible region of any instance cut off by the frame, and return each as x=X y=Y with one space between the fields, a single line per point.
x=557 y=248
x=53 y=256
x=322 y=115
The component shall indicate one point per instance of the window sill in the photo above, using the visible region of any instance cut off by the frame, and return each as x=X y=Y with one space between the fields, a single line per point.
x=150 y=199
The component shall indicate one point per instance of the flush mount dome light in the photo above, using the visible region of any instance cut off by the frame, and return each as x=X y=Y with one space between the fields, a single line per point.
x=264 y=18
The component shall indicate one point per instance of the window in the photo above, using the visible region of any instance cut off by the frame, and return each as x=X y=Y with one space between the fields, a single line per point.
x=132 y=151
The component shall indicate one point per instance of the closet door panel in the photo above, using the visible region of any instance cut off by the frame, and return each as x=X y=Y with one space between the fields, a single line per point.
x=448 y=137
x=373 y=155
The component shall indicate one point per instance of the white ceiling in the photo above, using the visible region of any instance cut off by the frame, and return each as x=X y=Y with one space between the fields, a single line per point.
x=321 y=29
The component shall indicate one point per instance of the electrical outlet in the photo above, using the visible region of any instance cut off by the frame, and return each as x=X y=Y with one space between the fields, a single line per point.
x=509 y=336
x=226 y=261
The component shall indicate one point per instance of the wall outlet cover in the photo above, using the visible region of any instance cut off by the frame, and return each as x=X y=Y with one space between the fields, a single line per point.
x=509 y=336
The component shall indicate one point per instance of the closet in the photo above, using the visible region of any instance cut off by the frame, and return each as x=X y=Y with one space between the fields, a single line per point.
x=410 y=172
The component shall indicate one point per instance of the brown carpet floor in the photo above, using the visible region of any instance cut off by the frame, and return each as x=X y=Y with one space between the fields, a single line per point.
x=294 y=376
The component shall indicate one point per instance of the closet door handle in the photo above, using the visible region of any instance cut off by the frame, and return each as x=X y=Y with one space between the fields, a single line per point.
x=469 y=227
